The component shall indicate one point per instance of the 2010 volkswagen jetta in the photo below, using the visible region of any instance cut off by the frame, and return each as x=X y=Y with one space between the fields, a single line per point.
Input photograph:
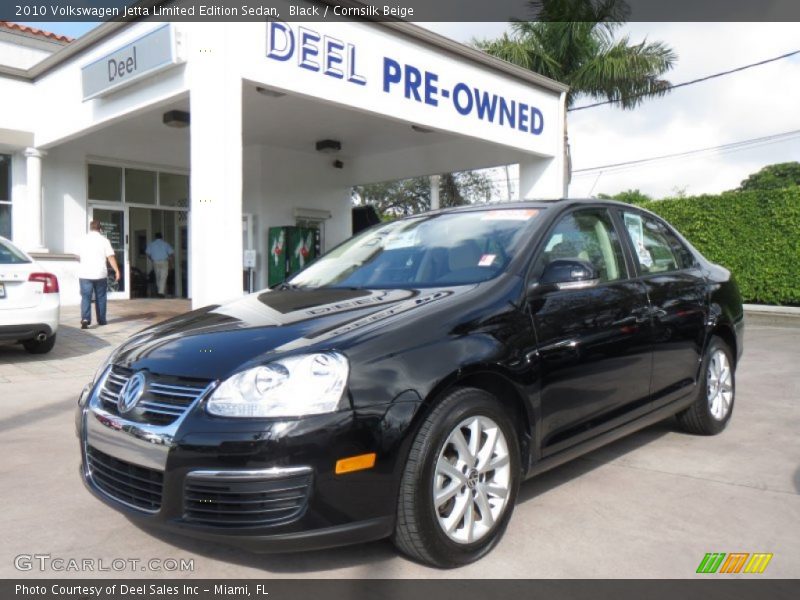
x=405 y=383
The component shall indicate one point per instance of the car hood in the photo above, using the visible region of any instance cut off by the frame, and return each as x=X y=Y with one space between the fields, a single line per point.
x=213 y=342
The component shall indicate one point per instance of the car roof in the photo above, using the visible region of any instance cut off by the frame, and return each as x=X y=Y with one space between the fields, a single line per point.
x=529 y=204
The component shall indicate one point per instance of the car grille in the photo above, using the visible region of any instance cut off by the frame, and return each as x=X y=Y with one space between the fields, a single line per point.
x=245 y=503
x=130 y=484
x=164 y=400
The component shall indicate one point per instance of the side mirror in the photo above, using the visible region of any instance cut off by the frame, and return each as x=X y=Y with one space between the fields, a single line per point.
x=568 y=274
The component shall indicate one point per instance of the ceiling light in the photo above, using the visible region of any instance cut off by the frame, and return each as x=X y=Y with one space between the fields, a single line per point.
x=329 y=146
x=269 y=93
x=176 y=118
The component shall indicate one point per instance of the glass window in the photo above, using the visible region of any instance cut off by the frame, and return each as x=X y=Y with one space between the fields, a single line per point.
x=11 y=255
x=173 y=190
x=586 y=235
x=425 y=251
x=5 y=195
x=657 y=249
x=140 y=186
x=105 y=183
x=5 y=178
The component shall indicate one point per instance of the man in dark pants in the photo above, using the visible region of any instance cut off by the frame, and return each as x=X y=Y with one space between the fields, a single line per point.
x=93 y=274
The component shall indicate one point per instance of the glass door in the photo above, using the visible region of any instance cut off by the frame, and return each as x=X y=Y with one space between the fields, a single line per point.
x=113 y=225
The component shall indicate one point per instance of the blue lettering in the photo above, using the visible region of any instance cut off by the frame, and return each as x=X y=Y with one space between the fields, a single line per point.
x=276 y=29
x=333 y=56
x=507 y=112
x=459 y=90
x=391 y=73
x=486 y=108
x=352 y=76
x=537 y=121
x=431 y=89
x=413 y=81
x=523 y=117
x=307 y=43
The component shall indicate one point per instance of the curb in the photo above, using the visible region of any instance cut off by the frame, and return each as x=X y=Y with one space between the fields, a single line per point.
x=772 y=311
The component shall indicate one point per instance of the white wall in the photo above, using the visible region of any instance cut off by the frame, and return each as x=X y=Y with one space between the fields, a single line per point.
x=276 y=181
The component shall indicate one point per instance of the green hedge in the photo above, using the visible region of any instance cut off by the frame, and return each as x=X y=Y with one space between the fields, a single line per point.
x=754 y=234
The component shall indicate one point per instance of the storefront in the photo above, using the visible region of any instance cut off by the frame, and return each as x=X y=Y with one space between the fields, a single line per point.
x=213 y=133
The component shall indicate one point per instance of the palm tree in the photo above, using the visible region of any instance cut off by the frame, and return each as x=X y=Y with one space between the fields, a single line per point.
x=572 y=41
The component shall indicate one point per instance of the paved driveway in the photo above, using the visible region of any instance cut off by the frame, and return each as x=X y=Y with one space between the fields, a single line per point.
x=650 y=505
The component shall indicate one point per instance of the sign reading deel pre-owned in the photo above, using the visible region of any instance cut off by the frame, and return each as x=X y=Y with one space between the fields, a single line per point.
x=140 y=58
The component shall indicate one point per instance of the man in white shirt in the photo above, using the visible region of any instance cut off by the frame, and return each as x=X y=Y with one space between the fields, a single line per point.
x=93 y=274
x=160 y=253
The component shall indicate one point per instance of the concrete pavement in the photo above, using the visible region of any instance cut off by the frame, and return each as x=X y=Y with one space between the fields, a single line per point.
x=650 y=505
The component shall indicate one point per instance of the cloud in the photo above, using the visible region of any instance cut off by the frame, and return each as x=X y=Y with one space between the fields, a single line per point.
x=758 y=102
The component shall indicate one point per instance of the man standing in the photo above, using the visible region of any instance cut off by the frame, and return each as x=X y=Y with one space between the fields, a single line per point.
x=93 y=274
x=160 y=252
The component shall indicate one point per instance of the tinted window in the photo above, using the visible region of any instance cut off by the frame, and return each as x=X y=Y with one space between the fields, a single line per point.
x=426 y=251
x=587 y=235
x=657 y=249
x=10 y=255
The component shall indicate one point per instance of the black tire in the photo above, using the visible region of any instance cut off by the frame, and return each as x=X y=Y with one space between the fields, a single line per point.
x=43 y=347
x=699 y=418
x=418 y=532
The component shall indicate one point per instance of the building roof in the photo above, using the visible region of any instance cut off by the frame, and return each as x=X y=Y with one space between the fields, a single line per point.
x=41 y=33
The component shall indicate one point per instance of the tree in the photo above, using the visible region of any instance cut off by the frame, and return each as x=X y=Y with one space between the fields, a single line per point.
x=772 y=177
x=628 y=196
x=411 y=196
x=574 y=43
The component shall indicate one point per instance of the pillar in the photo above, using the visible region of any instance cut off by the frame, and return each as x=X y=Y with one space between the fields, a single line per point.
x=33 y=158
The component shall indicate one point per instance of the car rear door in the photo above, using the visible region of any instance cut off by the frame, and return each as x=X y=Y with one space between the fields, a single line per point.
x=15 y=290
x=593 y=344
x=678 y=296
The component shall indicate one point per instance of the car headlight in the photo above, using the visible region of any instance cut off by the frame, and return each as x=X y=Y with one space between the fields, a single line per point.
x=309 y=384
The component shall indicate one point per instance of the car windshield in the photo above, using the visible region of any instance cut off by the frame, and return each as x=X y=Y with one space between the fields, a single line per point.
x=427 y=251
x=11 y=255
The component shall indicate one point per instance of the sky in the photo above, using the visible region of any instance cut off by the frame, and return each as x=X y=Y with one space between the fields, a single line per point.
x=754 y=103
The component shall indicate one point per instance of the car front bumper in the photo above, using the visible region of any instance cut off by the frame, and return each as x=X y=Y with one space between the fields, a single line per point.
x=201 y=477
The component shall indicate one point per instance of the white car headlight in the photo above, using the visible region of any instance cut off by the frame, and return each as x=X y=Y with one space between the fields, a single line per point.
x=309 y=384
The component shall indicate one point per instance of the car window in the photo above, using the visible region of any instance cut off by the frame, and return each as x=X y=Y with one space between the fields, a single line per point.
x=657 y=249
x=587 y=235
x=425 y=251
x=10 y=255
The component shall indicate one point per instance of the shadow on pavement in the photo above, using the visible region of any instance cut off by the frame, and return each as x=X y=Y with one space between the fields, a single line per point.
x=71 y=342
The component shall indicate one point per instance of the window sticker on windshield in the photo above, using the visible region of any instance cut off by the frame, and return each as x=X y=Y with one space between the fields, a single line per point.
x=487 y=260
x=403 y=239
x=515 y=214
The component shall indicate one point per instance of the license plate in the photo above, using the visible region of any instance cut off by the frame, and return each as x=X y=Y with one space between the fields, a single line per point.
x=2 y=290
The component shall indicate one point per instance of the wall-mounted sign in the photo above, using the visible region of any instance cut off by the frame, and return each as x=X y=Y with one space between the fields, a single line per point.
x=145 y=56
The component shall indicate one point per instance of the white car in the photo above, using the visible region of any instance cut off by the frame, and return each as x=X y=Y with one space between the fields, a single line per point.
x=29 y=301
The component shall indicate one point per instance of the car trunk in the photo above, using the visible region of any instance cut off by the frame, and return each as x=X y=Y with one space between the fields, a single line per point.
x=16 y=291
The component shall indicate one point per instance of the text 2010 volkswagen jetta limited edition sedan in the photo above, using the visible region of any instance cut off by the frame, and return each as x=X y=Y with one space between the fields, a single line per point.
x=405 y=383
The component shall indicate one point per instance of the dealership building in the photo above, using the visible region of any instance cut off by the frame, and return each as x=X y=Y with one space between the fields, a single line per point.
x=213 y=133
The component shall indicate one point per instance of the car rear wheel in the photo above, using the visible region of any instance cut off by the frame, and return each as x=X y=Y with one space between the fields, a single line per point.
x=460 y=482
x=37 y=347
x=713 y=406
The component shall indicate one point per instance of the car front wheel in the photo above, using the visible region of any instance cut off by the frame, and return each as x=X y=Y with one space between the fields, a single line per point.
x=460 y=482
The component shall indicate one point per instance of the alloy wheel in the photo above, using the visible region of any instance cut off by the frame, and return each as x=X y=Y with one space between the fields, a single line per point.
x=719 y=385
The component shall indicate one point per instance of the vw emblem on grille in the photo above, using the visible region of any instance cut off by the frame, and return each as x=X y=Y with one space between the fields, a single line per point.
x=131 y=392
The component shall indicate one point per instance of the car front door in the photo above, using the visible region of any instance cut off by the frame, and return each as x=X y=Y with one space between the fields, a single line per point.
x=593 y=344
x=679 y=306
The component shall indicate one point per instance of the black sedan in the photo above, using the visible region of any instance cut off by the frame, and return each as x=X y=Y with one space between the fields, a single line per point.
x=404 y=384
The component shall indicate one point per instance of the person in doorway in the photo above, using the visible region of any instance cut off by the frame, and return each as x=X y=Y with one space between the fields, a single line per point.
x=160 y=253
x=95 y=250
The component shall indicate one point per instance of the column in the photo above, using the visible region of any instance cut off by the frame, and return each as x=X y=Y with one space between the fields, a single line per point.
x=435 y=191
x=542 y=178
x=33 y=158
x=216 y=167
